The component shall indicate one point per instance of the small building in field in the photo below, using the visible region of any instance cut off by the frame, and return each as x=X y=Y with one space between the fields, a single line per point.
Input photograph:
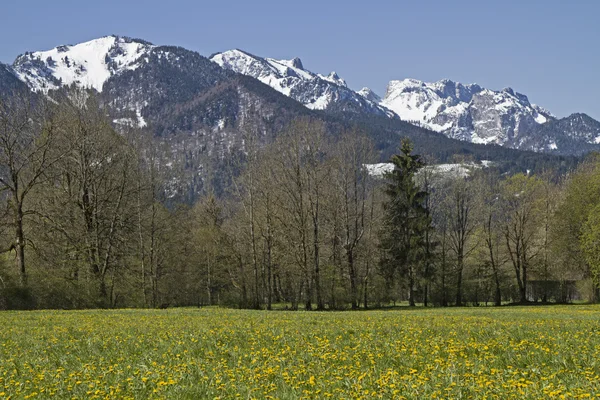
x=565 y=291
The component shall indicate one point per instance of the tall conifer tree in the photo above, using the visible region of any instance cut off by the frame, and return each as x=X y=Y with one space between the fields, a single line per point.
x=407 y=220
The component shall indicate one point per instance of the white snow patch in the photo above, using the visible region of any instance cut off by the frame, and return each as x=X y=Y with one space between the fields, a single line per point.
x=124 y=121
x=141 y=121
x=463 y=169
x=486 y=140
x=379 y=169
x=320 y=103
x=219 y=125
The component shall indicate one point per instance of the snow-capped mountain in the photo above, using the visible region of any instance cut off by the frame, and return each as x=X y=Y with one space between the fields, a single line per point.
x=315 y=91
x=466 y=112
x=175 y=91
x=89 y=64
x=369 y=95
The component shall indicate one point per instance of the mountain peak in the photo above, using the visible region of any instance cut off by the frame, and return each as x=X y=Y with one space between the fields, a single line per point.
x=296 y=63
x=409 y=82
x=446 y=82
x=333 y=77
x=87 y=64
x=313 y=90
x=369 y=95
x=466 y=112
x=579 y=117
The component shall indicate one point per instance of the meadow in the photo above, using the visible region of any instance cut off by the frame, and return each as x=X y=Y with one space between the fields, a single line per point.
x=508 y=352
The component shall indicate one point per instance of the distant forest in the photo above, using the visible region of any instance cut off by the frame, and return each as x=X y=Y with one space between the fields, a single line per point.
x=90 y=219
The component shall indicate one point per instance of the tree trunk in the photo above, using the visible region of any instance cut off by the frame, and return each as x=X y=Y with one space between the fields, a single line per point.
x=524 y=285
x=366 y=290
x=102 y=291
x=320 y=304
x=269 y=278
x=353 y=285
x=411 y=291
x=498 y=294
x=444 y=291
x=269 y=258
x=20 y=245
x=490 y=244
x=459 y=278
x=142 y=247
x=254 y=260
x=523 y=291
x=208 y=281
x=308 y=302
x=244 y=300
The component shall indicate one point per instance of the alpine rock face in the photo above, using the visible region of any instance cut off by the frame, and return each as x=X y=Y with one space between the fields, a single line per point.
x=479 y=115
x=466 y=112
x=315 y=91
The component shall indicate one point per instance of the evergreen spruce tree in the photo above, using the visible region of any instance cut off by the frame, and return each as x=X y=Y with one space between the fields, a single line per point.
x=406 y=221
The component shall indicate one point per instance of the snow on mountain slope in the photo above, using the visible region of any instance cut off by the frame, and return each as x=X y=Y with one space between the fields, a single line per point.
x=281 y=75
x=87 y=64
x=466 y=112
x=434 y=105
x=315 y=91
x=333 y=77
x=444 y=170
x=369 y=95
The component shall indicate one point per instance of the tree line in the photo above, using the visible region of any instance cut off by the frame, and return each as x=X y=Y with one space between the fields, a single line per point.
x=88 y=220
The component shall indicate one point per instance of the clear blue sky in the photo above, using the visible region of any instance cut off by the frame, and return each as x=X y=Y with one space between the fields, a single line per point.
x=547 y=49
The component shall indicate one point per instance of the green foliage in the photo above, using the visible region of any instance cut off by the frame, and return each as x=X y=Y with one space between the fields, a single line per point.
x=17 y=298
x=407 y=219
x=576 y=218
x=590 y=243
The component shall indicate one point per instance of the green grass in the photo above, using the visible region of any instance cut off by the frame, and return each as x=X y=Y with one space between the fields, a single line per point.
x=509 y=352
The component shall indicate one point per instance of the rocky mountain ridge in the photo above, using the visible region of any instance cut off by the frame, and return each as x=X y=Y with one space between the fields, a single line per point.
x=465 y=112
x=289 y=77
x=204 y=112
